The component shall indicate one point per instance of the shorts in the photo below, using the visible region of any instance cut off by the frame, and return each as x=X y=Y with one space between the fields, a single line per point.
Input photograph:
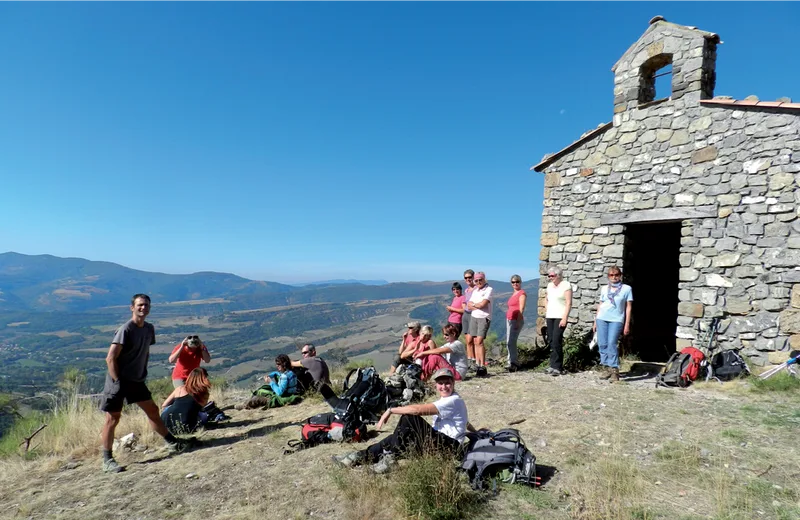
x=177 y=383
x=129 y=391
x=479 y=327
x=465 y=320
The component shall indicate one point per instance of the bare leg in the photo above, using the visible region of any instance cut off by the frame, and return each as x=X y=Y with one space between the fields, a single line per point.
x=470 y=346
x=150 y=408
x=112 y=419
x=480 y=352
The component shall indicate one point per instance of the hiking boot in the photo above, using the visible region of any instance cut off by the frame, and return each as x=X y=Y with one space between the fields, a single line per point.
x=481 y=372
x=552 y=372
x=605 y=373
x=348 y=460
x=613 y=375
x=384 y=465
x=513 y=367
x=111 y=466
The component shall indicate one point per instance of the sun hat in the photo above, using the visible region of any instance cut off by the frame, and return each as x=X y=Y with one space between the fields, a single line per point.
x=443 y=372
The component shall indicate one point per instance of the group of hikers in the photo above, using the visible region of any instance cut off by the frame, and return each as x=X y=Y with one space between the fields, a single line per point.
x=470 y=312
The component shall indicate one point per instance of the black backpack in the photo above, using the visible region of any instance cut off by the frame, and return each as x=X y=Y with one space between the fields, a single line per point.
x=501 y=454
x=726 y=365
x=364 y=398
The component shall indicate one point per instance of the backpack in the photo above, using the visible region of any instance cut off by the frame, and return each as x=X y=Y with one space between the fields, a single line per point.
x=726 y=365
x=324 y=428
x=499 y=454
x=363 y=400
x=682 y=368
x=405 y=385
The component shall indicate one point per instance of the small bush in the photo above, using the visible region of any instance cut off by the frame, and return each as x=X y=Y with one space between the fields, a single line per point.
x=432 y=487
x=577 y=354
x=782 y=382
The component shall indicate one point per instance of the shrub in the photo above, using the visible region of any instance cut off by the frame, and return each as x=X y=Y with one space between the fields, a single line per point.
x=432 y=487
x=577 y=354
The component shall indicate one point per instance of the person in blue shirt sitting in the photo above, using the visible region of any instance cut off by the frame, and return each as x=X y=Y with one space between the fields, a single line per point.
x=280 y=388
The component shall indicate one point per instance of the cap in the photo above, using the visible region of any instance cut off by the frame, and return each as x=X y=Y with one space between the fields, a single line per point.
x=443 y=372
x=413 y=325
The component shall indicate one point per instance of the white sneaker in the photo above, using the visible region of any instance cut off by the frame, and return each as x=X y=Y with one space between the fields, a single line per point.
x=348 y=460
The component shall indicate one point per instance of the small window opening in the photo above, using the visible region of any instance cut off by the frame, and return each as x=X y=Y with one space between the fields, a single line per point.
x=655 y=78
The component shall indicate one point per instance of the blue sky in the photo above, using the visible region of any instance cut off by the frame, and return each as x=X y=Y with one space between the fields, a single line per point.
x=303 y=141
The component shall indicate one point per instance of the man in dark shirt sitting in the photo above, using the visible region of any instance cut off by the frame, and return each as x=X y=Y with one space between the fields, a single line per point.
x=311 y=371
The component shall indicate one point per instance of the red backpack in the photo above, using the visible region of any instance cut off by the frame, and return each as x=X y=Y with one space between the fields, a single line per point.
x=317 y=430
x=682 y=368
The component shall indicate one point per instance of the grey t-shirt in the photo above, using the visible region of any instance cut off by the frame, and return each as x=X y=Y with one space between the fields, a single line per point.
x=458 y=357
x=317 y=368
x=135 y=341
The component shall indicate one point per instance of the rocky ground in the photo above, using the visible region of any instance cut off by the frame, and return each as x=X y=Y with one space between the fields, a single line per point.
x=625 y=450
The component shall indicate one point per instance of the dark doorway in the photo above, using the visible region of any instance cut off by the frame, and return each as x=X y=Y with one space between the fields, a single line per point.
x=650 y=267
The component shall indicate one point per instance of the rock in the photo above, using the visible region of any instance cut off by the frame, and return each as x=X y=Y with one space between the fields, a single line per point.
x=709 y=153
x=688 y=274
x=789 y=321
x=191 y=475
x=738 y=307
x=756 y=165
x=726 y=260
x=694 y=310
x=552 y=180
x=549 y=239
x=715 y=280
x=795 y=302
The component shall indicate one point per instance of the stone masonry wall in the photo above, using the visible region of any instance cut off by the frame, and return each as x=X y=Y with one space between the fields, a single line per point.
x=745 y=259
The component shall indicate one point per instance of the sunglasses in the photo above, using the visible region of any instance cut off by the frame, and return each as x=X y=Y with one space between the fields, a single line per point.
x=480 y=279
x=304 y=352
x=468 y=278
x=614 y=275
x=516 y=281
x=192 y=337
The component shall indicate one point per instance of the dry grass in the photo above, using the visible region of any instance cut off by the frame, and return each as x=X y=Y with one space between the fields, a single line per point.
x=625 y=451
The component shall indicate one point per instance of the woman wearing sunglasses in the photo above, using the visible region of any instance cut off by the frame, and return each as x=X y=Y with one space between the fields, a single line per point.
x=187 y=356
x=613 y=318
x=558 y=303
x=514 y=321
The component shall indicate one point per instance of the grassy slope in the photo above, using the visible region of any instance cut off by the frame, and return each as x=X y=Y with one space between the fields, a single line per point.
x=621 y=451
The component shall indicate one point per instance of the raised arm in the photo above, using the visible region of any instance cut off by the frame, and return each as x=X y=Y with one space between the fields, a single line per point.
x=176 y=352
x=205 y=353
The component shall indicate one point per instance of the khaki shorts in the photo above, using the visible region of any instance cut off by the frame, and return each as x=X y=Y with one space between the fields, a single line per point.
x=479 y=327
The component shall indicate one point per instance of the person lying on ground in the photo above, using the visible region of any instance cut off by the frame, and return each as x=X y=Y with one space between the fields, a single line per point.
x=452 y=354
x=413 y=433
x=280 y=388
x=187 y=356
x=311 y=371
x=410 y=339
x=182 y=410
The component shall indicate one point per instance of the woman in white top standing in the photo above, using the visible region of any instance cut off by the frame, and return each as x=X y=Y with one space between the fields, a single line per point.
x=557 y=307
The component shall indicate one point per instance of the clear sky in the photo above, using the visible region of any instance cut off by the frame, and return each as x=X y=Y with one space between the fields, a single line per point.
x=307 y=141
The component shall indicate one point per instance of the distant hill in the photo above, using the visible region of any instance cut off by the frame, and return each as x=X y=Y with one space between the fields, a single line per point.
x=343 y=282
x=51 y=283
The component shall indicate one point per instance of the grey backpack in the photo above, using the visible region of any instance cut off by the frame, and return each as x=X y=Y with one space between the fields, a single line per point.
x=501 y=454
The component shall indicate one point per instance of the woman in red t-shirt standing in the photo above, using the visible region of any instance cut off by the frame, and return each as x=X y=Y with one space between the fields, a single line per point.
x=187 y=356
x=514 y=321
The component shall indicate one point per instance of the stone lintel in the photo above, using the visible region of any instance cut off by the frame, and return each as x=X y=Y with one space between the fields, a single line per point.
x=658 y=215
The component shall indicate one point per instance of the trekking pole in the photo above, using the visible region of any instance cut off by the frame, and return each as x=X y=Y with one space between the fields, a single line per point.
x=774 y=370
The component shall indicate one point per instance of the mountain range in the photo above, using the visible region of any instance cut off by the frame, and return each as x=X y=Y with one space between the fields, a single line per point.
x=50 y=283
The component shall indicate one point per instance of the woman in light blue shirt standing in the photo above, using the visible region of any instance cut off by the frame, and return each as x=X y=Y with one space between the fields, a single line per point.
x=613 y=318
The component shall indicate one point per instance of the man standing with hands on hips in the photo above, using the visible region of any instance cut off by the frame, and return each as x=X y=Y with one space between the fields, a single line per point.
x=480 y=305
x=127 y=370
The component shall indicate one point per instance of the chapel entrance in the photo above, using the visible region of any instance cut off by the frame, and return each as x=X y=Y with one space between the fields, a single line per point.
x=650 y=267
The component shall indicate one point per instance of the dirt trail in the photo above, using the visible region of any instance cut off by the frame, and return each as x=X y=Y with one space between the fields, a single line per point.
x=575 y=424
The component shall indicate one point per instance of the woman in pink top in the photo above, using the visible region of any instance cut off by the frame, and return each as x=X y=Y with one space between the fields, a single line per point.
x=515 y=320
x=456 y=308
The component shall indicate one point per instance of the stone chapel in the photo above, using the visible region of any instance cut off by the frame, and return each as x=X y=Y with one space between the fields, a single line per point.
x=695 y=197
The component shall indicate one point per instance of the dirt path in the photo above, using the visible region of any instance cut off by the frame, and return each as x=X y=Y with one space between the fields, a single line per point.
x=619 y=451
